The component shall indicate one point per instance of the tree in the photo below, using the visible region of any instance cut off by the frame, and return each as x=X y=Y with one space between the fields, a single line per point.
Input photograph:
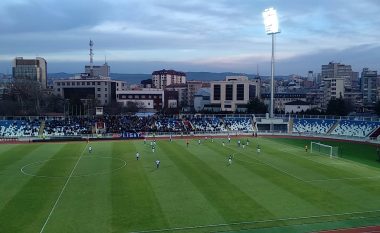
x=132 y=107
x=256 y=106
x=377 y=108
x=114 y=108
x=339 y=107
x=53 y=103
x=28 y=94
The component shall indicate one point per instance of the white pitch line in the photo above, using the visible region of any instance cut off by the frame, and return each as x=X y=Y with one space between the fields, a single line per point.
x=261 y=221
x=347 y=178
x=63 y=189
x=274 y=167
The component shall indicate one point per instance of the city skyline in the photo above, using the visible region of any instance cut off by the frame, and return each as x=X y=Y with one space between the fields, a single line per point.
x=214 y=36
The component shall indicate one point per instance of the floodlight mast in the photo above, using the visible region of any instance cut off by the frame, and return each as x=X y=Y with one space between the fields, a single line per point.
x=271 y=28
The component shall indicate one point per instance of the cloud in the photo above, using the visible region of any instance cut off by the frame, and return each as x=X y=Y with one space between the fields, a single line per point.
x=213 y=34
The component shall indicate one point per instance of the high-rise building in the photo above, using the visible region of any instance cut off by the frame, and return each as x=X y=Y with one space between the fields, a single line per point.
x=163 y=78
x=369 y=86
x=33 y=69
x=335 y=78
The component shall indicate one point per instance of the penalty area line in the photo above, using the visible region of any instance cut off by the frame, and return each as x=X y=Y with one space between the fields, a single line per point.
x=260 y=221
x=63 y=189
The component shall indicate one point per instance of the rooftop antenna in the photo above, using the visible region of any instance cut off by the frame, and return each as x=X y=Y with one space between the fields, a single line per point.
x=91 y=58
x=105 y=59
x=257 y=70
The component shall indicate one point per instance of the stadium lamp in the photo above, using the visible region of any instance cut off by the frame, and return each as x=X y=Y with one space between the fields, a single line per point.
x=271 y=21
x=271 y=28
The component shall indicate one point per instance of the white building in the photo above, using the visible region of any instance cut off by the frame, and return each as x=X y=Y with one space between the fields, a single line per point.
x=146 y=98
x=234 y=91
x=336 y=77
x=85 y=87
x=102 y=71
x=281 y=99
x=163 y=78
x=297 y=106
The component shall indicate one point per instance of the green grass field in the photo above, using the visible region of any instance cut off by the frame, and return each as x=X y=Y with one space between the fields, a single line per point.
x=60 y=187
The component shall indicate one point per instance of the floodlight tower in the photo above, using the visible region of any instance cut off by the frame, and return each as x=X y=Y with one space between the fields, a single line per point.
x=271 y=28
x=91 y=58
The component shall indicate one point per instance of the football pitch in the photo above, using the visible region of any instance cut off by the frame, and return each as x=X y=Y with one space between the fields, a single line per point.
x=61 y=187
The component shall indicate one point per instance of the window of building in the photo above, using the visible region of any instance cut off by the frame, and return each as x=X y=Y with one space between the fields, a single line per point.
x=252 y=92
x=229 y=90
x=58 y=84
x=98 y=83
x=105 y=89
x=59 y=89
x=240 y=92
x=63 y=84
x=98 y=89
x=105 y=95
x=83 y=83
x=93 y=83
x=73 y=83
x=99 y=95
x=129 y=96
x=227 y=106
x=217 y=92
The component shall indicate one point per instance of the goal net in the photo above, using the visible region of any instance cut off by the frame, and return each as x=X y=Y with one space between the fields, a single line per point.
x=316 y=147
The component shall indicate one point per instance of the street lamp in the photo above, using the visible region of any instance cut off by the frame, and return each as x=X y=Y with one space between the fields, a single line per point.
x=271 y=28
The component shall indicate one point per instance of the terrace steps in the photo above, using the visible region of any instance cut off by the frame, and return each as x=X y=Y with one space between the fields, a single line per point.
x=41 y=129
x=333 y=127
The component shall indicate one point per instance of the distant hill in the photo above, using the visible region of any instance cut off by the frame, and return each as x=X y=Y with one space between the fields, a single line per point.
x=137 y=78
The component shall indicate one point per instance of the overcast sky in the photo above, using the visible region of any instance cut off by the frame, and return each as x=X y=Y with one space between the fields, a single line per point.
x=139 y=36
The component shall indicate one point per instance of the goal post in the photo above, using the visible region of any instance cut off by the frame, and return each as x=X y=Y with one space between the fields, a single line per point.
x=317 y=147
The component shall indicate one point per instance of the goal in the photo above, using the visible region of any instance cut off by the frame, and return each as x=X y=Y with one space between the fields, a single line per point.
x=316 y=147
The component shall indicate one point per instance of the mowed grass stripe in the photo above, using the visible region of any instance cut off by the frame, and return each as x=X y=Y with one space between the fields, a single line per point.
x=181 y=202
x=232 y=203
x=134 y=203
x=13 y=179
x=29 y=207
x=86 y=203
x=321 y=199
x=279 y=201
x=360 y=191
x=329 y=168
x=361 y=169
x=14 y=154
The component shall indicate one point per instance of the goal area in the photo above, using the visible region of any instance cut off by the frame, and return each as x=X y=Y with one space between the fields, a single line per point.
x=320 y=148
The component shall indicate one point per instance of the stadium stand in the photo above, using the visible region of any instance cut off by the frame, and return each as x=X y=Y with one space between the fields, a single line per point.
x=318 y=126
x=19 y=128
x=69 y=127
x=355 y=128
x=238 y=123
x=207 y=124
x=169 y=125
